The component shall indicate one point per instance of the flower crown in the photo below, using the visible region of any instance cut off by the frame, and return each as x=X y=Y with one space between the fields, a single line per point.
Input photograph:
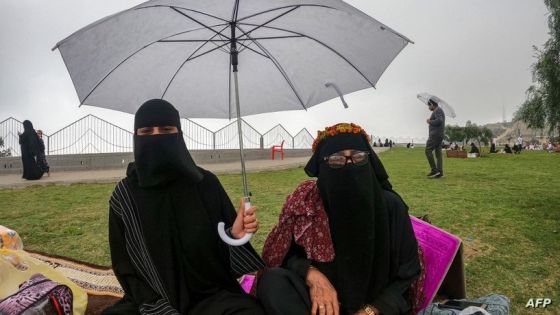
x=336 y=130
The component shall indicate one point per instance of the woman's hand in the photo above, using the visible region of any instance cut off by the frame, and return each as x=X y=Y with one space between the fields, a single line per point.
x=246 y=221
x=323 y=294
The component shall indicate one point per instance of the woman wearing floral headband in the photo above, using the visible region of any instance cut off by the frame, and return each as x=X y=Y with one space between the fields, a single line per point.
x=344 y=243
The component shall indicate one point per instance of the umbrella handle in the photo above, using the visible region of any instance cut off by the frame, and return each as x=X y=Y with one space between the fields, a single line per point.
x=235 y=242
x=335 y=87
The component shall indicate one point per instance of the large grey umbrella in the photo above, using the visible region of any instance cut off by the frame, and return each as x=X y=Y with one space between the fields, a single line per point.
x=288 y=54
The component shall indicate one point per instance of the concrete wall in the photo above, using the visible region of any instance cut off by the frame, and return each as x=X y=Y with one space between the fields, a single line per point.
x=10 y=165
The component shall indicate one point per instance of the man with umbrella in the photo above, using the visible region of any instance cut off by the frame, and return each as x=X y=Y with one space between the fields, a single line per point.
x=436 y=124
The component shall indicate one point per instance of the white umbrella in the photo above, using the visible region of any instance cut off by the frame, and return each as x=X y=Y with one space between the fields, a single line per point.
x=447 y=109
x=188 y=52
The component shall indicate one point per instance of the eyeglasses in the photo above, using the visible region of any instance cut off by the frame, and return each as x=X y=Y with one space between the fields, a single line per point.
x=337 y=160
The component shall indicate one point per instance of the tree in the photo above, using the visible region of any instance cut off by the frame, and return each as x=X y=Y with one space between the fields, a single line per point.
x=486 y=135
x=541 y=109
x=471 y=132
x=454 y=133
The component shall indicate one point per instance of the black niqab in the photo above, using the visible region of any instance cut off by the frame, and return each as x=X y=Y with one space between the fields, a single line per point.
x=358 y=220
x=160 y=159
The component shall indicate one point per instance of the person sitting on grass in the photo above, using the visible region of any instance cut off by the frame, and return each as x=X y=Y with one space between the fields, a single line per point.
x=474 y=149
x=344 y=243
x=507 y=149
x=165 y=249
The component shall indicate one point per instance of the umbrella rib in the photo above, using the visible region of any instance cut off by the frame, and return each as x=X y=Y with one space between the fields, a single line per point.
x=261 y=38
x=253 y=50
x=272 y=37
x=192 y=40
x=207 y=52
x=278 y=66
x=187 y=9
x=284 y=7
x=267 y=22
x=130 y=56
x=196 y=40
x=323 y=44
x=189 y=58
x=195 y=20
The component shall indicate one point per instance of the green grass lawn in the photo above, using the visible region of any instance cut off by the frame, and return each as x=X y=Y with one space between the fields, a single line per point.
x=505 y=208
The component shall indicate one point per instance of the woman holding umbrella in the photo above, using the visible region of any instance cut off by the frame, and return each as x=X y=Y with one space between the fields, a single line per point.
x=165 y=251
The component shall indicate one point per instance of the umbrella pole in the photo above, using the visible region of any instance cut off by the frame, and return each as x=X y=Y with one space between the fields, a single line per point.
x=240 y=133
x=246 y=200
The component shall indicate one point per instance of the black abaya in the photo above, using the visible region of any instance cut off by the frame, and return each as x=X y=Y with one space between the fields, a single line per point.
x=30 y=147
x=190 y=284
x=163 y=219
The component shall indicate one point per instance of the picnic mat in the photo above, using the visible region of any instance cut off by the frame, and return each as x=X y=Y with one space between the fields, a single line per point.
x=99 y=282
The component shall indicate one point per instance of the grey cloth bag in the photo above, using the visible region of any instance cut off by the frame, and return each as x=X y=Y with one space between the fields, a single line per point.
x=496 y=304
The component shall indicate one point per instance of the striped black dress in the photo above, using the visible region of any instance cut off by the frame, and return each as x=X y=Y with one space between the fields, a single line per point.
x=166 y=253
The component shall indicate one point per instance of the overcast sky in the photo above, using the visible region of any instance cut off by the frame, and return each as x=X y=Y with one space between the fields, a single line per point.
x=475 y=54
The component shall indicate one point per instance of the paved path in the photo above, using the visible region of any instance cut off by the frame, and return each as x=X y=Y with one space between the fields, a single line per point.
x=114 y=175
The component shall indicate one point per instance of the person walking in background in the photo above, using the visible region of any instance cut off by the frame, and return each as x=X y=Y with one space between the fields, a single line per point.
x=519 y=142
x=436 y=124
x=30 y=147
x=41 y=157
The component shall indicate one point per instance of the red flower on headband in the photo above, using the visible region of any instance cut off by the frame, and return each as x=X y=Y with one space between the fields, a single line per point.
x=336 y=130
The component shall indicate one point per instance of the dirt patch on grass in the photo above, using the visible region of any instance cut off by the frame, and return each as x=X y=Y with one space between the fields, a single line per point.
x=475 y=248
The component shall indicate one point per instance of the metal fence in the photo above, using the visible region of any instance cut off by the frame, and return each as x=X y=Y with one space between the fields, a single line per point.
x=302 y=140
x=276 y=136
x=227 y=138
x=91 y=134
x=9 y=130
x=196 y=136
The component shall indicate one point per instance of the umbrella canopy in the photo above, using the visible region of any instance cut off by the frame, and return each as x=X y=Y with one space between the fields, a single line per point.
x=447 y=109
x=180 y=51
